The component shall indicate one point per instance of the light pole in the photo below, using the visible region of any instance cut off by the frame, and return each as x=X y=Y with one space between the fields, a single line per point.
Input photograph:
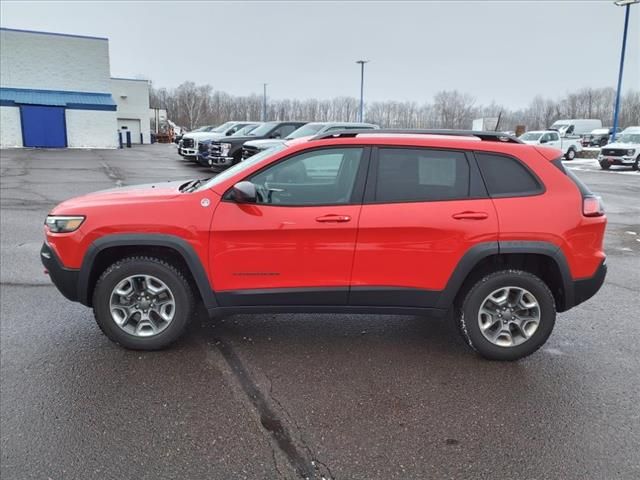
x=627 y=4
x=362 y=62
x=264 y=102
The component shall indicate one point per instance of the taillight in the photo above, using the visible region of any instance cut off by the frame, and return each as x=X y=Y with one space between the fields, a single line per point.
x=592 y=206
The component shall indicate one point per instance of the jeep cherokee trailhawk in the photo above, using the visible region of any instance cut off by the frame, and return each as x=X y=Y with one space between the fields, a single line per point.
x=399 y=222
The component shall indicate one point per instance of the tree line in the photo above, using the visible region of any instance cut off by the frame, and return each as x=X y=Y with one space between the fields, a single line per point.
x=190 y=105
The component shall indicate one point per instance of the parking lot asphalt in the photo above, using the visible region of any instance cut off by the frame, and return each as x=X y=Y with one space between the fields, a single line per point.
x=294 y=396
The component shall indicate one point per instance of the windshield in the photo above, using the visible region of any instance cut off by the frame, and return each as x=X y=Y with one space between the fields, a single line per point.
x=531 y=136
x=559 y=126
x=201 y=129
x=224 y=127
x=306 y=131
x=628 y=138
x=262 y=130
x=245 y=130
x=239 y=167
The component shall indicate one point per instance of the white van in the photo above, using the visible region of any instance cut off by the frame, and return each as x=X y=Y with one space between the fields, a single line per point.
x=576 y=127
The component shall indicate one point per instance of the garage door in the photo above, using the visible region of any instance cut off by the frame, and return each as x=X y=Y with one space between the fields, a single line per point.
x=131 y=125
x=43 y=126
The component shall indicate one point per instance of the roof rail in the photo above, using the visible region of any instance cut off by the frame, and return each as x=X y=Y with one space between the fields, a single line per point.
x=485 y=136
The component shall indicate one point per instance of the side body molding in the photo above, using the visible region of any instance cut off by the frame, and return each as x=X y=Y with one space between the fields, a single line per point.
x=181 y=246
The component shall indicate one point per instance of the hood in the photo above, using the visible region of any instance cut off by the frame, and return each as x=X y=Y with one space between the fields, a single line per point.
x=203 y=135
x=136 y=194
x=623 y=146
x=235 y=140
x=267 y=143
x=531 y=142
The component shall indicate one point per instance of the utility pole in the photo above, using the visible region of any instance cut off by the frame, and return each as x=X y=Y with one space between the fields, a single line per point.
x=264 y=102
x=362 y=62
x=627 y=4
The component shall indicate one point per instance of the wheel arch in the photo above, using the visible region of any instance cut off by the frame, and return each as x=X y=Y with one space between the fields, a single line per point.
x=540 y=258
x=106 y=250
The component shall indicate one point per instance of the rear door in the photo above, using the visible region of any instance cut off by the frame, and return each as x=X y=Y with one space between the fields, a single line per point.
x=423 y=210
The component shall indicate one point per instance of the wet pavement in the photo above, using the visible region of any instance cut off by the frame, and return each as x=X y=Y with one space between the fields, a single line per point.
x=294 y=396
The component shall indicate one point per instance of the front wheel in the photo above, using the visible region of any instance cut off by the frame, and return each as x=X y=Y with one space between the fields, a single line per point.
x=605 y=165
x=570 y=155
x=636 y=165
x=507 y=315
x=142 y=303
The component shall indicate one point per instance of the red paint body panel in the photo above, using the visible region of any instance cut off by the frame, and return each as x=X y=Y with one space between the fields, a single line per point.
x=418 y=245
x=266 y=246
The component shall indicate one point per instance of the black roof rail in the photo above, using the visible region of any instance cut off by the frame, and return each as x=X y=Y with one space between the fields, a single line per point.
x=485 y=136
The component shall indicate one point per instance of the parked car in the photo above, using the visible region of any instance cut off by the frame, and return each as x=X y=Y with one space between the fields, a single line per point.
x=188 y=146
x=433 y=223
x=552 y=138
x=254 y=146
x=223 y=154
x=203 y=145
x=577 y=127
x=624 y=151
x=599 y=137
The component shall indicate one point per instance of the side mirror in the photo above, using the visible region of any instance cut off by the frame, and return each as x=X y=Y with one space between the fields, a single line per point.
x=244 y=192
x=275 y=135
x=544 y=140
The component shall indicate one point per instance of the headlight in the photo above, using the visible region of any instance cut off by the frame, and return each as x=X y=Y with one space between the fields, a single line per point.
x=224 y=149
x=63 y=224
x=631 y=151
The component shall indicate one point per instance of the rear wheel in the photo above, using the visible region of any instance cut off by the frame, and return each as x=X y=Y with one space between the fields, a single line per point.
x=507 y=315
x=142 y=303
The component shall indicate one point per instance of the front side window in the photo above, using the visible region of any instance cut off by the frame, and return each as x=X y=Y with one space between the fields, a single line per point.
x=553 y=137
x=505 y=176
x=421 y=175
x=319 y=177
x=284 y=130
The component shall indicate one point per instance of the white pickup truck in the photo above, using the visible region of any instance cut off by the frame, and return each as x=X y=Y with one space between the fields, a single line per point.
x=551 y=138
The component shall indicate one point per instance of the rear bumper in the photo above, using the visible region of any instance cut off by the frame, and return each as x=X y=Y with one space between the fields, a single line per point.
x=586 y=288
x=65 y=279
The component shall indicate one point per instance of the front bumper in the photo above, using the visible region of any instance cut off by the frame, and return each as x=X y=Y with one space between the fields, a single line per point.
x=586 y=288
x=220 y=162
x=624 y=160
x=65 y=279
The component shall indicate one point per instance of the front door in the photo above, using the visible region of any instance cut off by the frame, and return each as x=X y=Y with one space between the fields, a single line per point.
x=296 y=244
x=423 y=210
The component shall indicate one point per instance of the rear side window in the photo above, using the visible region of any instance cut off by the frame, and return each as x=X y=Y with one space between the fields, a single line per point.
x=506 y=177
x=417 y=175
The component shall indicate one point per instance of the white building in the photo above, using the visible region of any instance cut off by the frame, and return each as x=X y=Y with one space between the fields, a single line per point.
x=55 y=91
x=132 y=98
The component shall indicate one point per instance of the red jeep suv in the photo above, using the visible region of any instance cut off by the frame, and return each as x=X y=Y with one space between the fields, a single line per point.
x=397 y=222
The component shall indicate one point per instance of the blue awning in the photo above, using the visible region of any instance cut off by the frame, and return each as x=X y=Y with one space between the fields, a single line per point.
x=14 y=97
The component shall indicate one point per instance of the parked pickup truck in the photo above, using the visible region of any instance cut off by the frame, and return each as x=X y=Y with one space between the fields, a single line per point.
x=310 y=129
x=552 y=138
x=188 y=146
x=624 y=151
x=228 y=151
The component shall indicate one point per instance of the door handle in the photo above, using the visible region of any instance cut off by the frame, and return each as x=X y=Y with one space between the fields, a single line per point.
x=333 y=218
x=470 y=215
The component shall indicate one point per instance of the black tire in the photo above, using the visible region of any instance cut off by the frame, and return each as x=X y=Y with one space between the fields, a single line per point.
x=570 y=155
x=167 y=273
x=467 y=314
x=636 y=165
x=605 y=165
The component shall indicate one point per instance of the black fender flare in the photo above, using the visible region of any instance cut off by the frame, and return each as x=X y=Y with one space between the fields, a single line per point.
x=181 y=246
x=483 y=250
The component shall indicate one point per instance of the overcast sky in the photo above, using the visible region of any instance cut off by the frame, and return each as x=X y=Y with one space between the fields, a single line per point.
x=506 y=51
